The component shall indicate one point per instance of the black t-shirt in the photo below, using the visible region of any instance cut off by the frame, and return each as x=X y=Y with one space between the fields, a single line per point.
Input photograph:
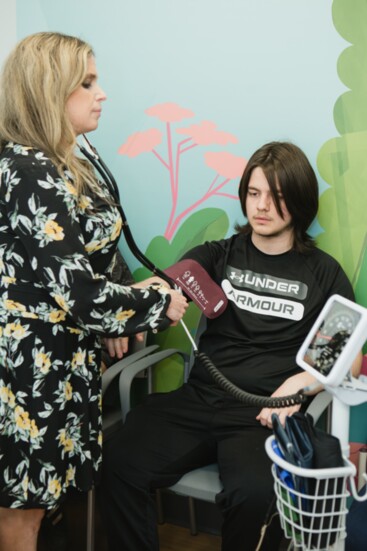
x=273 y=300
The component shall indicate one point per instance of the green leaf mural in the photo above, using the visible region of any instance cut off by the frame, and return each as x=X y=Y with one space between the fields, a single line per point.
x=203 y=225
x=342 y=164
x=342 y=161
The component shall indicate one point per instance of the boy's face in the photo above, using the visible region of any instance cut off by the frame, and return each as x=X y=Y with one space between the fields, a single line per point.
x=261 y=210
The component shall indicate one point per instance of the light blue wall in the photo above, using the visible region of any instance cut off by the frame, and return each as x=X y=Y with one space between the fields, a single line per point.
x=259 y=69
x=8 y=33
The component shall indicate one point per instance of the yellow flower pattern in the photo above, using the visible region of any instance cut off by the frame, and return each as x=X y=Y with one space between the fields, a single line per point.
x=15 y=330
x=56 y=300
x=61 y=302
x=53 y=230
x=54 y=487
x=12 y=305
x=43 y=362
x=57 y=315
x=124 y=315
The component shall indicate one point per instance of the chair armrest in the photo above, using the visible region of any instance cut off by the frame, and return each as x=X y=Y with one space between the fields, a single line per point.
x=127 y=374
x=319 y=404
x=115 y=369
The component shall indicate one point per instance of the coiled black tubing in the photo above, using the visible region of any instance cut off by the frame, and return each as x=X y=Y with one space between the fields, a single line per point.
x=219 y=378
x=246 y=397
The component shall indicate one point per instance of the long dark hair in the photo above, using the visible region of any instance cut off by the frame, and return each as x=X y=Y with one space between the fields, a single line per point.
x=285 y=166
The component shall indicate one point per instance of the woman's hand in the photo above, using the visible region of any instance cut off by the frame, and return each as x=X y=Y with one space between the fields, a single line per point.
x=177 y=307
x=117 y=347
x=178 y=304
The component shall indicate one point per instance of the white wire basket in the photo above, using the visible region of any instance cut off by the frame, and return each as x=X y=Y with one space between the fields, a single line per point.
x=312 y=503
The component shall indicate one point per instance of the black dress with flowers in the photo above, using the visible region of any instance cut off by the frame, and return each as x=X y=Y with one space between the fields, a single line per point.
x=56 y=298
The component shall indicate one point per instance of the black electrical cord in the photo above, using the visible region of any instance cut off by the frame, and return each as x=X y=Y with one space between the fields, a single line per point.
x=109 y=179
x=246 y=397
x=219 y=378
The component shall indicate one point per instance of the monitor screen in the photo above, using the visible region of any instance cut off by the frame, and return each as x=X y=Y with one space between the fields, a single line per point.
x=334 y=340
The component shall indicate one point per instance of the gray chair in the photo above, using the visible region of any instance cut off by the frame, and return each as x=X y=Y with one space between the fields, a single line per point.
x=145 y=357
x=202 y=483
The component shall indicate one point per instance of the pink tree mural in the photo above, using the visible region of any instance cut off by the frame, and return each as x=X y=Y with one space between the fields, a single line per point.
x=190 y=225
x=227 y=166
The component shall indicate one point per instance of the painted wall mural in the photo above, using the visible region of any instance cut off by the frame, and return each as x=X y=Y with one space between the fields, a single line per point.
x=342 y=162
x=193 y=224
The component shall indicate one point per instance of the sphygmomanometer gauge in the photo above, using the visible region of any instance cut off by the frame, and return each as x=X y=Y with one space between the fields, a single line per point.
x=331 y=339
x=334 y=340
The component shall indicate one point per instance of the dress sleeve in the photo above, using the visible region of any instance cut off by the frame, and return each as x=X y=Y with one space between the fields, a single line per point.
x=43 y=214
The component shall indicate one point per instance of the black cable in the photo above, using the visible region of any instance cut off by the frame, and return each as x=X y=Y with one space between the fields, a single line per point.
x=109 y=179
x=246 y=397
x=219 y=378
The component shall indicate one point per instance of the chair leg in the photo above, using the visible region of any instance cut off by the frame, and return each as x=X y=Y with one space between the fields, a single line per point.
x=90 y=519
x=160 y=513
x=193 y=527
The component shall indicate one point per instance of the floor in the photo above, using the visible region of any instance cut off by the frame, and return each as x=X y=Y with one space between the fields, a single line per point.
x=69 y=533
x=178 y=538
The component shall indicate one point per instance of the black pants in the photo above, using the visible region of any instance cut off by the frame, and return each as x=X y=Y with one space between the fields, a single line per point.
x=171 y=434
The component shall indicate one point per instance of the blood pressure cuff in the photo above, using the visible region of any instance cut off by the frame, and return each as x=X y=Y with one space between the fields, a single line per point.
x=327 y=452
x=301 y=442
x=312 y=448
x=198 y=286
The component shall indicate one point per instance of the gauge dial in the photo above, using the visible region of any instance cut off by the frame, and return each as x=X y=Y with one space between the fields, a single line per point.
x=330 y=339
x=339 y=321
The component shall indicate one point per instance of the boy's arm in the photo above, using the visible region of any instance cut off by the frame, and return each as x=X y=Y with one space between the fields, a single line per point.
x=292 y=385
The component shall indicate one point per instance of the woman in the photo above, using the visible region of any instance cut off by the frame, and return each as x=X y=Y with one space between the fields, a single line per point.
x=59 y=228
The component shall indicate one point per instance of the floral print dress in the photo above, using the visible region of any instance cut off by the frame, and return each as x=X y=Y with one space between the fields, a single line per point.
x=56 y=299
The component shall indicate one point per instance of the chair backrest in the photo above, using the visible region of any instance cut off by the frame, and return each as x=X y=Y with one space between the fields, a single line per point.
x=111 y=419
x=127 y=374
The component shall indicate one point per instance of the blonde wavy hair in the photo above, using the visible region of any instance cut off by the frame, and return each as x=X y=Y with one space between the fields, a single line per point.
x=38 y=77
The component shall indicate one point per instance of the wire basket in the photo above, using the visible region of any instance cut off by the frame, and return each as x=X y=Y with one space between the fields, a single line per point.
x=312 y=503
